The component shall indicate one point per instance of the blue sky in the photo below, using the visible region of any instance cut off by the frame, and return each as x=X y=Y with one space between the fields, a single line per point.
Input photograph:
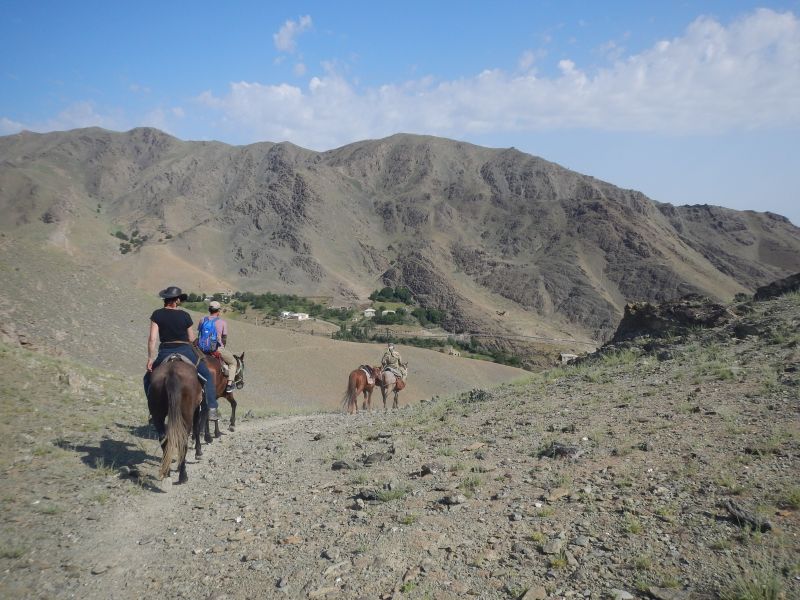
x=689 y=102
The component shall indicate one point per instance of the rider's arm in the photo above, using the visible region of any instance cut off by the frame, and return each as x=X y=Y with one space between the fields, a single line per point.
x=192 y=334
x=152 y=342
x=224 y=340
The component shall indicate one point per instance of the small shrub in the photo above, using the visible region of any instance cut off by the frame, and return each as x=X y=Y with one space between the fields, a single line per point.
x=12 y=552
x=395 y=494
x=791 y=498
x=470 y=484
x=538 y=537
x=643 y=563
x=559 y=561
x=631 y=524
x=408 y=519
x=761 y=583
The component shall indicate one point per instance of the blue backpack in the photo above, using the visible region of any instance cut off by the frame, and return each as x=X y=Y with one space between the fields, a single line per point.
x=207 y=339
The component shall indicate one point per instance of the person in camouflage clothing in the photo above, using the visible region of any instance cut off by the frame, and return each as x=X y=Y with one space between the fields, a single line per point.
x=391 y=358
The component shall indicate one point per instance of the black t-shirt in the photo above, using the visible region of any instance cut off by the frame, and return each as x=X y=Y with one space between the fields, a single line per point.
x=172 y=324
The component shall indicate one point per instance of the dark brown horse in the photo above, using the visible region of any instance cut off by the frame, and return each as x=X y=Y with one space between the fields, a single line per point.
x=174 y=396
x=389 y=382
x=220 y=383
x=357 y=383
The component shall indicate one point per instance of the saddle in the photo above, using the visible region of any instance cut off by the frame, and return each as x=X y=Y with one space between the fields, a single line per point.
x=222 y=363
x=172 y=357
x=368 y=372
x=393 y=371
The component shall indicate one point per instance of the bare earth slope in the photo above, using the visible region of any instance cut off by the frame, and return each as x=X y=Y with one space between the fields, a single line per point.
x=505 y=242
x=460 y=496
x=56 y=302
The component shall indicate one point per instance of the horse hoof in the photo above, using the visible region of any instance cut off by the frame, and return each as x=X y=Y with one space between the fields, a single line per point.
x=208 y=439
x=182 y=480
x=231 y=428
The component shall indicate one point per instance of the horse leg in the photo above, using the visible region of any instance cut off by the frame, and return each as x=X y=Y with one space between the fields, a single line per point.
x=383 y=393
x=206 y=433
x=395 y=404
x=232 y=426
x=197 y=420
x=217 y=432
x=182 y=476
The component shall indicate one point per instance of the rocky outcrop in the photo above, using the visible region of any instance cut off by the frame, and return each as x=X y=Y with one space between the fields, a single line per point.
x=676 y=317
x=778 y=288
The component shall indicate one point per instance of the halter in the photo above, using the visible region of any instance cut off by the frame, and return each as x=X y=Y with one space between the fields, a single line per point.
x=238 y=379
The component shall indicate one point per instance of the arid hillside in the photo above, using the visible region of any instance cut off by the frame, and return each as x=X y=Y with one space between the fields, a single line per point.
x=506 y=243
x=68 y=310
x=663 y=467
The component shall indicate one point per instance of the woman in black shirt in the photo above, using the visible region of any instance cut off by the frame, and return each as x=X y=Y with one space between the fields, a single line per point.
x=172 y=327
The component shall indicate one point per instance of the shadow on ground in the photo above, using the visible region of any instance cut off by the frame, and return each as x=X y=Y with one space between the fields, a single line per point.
x=113 y=454
x=146 y=432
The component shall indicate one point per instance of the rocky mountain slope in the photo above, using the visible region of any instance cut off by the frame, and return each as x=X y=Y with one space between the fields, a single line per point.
x=629 y=475
x=505 y=242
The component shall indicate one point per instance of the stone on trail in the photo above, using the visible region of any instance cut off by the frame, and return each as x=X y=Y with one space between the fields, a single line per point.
x=553 y=546
x=667 y=593
x=341 y=465
x=557 y=494
x=537 y=592
x=454 y=499
x=616 y=594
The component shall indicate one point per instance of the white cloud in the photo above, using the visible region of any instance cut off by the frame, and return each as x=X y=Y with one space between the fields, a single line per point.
x=139 y=89
x=299 y=69
x=7 y=126
x=285 y=38
x=711 y=79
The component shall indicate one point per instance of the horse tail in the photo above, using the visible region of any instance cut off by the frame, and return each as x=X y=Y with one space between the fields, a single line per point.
x=349 y=397
x=176 y=427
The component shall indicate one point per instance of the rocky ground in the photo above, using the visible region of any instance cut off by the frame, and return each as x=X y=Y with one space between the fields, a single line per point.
x=615 y=477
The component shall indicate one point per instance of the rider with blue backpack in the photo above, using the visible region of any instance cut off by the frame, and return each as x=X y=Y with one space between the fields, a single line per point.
x=171 y=328
x=212 y=336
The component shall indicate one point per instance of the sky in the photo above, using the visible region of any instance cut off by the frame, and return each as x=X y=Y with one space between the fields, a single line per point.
x=689 y=102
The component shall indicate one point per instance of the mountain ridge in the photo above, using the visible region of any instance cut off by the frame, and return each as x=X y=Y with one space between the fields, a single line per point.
x=475 y=231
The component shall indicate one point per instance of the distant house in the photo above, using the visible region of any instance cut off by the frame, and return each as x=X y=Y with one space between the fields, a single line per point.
x=388 y=312
x=293 y=315
x=369 y=313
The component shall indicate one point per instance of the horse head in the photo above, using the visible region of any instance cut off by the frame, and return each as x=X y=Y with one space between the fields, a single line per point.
x=238 y=379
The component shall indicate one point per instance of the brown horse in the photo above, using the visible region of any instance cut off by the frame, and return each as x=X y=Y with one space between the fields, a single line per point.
x=174 y=396
x=220 y=383
x=357 y=383
x=389 y=382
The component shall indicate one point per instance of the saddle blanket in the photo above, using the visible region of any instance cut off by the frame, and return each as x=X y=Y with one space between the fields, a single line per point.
x=368 y=372
x=181 y=357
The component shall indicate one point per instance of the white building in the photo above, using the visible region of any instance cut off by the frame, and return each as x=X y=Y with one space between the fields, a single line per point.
x=293 y=315
x=369 y=313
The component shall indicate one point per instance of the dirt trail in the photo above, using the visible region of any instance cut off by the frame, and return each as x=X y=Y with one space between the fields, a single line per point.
x=155 y=536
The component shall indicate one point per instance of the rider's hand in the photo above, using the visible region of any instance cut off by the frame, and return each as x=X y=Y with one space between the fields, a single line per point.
x=149 y=364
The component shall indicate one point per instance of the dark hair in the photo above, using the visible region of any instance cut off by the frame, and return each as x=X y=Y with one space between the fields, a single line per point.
x=171 y=300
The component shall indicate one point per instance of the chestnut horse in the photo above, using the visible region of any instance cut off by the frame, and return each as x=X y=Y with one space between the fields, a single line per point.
x=220 y=383
x=389 y=382
x=174 y=396
x=357 y=384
